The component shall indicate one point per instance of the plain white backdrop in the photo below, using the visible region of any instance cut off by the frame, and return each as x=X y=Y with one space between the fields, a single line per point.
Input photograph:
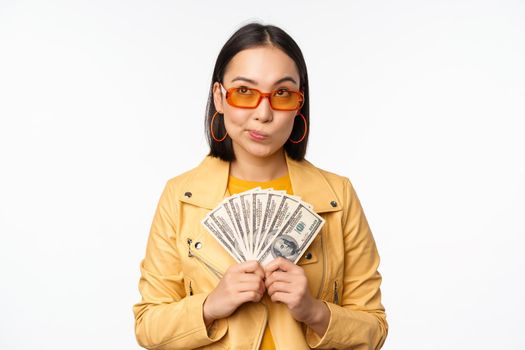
x=419 y=103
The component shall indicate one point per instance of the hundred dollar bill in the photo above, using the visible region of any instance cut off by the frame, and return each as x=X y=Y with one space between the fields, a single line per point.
x=236 y=216
x=285 y=209
x=274 y=198
x=221 y=216
x=235 y=220
x=295 y=237
x=247 y=213
x=259 y=202
x=224 y=240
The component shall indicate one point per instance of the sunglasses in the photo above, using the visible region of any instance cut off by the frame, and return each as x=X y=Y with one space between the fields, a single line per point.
x=280 y=99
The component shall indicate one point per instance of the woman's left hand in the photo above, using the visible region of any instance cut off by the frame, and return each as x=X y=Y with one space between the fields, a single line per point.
x=287 y=283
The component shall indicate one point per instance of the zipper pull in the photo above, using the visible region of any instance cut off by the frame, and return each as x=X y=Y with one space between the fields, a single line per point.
x=191 y=290
x=189 y=240
x=336 y=296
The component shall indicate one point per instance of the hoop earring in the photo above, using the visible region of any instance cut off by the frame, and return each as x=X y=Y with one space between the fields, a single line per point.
x=211 y=129
x=305 y=130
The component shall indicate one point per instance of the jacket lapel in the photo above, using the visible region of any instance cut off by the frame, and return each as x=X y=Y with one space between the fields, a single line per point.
x=311 y=185
x=207 y=187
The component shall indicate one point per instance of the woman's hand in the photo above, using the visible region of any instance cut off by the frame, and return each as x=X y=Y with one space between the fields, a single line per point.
x=241 y=283
x=287 y=283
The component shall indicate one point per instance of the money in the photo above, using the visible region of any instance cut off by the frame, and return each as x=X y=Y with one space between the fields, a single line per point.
x=263 y=224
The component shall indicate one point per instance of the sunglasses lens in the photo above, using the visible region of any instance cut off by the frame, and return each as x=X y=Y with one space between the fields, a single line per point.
x=286 y=100
x=244 y=97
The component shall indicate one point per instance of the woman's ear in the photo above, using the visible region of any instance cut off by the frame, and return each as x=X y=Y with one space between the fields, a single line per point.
x=217 y=97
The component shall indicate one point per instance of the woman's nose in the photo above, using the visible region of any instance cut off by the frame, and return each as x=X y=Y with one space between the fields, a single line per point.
x=264 y=112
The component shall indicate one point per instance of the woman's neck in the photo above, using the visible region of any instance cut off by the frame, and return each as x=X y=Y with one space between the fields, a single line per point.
x=250 y=168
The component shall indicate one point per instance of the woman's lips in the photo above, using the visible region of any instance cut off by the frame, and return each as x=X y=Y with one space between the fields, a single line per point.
x=258 y=136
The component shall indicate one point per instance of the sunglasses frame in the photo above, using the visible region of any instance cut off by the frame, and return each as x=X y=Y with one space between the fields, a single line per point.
x=262 y=95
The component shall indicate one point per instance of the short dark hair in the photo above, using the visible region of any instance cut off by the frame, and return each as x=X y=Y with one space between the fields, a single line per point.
x=249 y=36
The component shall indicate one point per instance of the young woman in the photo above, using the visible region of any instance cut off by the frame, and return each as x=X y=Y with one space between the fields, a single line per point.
x=194 y=294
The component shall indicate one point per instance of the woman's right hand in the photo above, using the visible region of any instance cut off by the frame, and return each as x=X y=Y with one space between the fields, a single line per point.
x=241 y=283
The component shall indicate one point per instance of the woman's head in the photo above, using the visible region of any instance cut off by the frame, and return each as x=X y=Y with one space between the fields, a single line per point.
x=265 y=58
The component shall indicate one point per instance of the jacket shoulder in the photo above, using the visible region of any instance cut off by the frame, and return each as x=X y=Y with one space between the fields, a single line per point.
x=203 y=185
x=337 y=182
x=182 y=178
x=179 y=179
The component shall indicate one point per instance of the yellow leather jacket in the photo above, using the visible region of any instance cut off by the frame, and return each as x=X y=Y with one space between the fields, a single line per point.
x=183 y=264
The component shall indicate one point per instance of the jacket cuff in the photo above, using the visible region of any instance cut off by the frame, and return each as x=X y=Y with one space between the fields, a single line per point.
x=202 y=335
x=346 y=327
x=313 y=339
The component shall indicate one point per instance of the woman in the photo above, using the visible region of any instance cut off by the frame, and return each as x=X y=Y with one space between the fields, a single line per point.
x=194 y=294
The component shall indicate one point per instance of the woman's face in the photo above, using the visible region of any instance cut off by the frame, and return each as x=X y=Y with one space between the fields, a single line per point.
x=261 y=131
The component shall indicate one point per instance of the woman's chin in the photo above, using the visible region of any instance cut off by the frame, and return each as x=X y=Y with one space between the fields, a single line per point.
x=261 y=151
x=256 y=149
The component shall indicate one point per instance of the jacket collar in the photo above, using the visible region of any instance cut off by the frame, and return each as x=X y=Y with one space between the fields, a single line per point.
x=208 y=185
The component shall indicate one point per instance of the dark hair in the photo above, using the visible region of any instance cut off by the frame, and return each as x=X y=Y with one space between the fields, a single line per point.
x=248 y=36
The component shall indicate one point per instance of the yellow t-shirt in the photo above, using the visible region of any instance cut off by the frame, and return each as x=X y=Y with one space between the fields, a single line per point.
x=235 y=186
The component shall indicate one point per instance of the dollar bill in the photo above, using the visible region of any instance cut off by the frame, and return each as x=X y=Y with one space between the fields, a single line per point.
x=295 y=237
x=225 y=241
x=274 y=198
x=235 y=213
x=222 y=217
x=247 y=213
x=287 y=206
x=235 y=220
x=259 y=203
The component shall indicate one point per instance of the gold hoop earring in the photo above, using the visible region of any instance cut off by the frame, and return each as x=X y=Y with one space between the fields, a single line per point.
x=211 y=129
x=305 y=130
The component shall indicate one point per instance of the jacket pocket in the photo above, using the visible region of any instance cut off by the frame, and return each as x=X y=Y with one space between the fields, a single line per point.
x=189 y=286
x=336 y=290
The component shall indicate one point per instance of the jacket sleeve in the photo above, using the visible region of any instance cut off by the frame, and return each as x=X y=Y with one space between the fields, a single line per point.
x=167 y=318
x=359 y=323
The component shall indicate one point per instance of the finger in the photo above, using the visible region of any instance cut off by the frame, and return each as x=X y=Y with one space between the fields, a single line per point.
x=247 y=286
x=280 y=287
x=259 y=271
x=262 y=287
x=249 y=277
x=278 y=264
x=253 y=296
x=278 y=276
x=280 y=297
x=247 y=266
x=252 y=267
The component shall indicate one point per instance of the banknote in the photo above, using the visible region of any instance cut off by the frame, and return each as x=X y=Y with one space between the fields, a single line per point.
x=246 y=220
x=295 y=237
x=221 y=216
x=271 y=209
x=287 y=205
x=225 y=241
x=259 y=202
x=234 y=211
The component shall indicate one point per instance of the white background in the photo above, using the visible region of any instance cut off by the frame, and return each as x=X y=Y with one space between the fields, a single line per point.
x=420 y=103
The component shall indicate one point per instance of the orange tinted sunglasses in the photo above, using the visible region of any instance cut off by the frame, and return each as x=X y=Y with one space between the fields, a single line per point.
x=280 y=99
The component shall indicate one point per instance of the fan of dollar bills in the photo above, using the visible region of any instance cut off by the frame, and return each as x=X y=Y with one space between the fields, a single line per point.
x=263 y=224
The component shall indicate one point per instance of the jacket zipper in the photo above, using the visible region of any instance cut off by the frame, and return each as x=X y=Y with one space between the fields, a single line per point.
x=336 y=296
x=191 y=254
x=324 y=267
